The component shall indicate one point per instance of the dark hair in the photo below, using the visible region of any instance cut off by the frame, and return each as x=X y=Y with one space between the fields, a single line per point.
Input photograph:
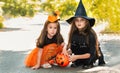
x=43 y=35
x=85 y=31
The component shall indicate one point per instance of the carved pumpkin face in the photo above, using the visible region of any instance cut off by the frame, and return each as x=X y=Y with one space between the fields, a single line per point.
x=62 y=60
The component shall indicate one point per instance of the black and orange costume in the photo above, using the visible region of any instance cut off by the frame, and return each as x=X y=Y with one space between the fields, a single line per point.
x=50 y=47
x=50 y=50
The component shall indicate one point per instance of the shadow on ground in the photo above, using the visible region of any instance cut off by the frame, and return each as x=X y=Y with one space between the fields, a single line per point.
x=9 y=29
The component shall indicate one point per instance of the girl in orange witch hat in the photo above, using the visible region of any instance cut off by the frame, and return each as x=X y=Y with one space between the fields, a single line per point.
x=49 y=44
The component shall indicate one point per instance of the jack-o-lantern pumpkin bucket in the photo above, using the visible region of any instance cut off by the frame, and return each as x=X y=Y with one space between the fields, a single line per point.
x=62 y=60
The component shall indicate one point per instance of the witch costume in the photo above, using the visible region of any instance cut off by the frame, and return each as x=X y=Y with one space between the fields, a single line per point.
x=79 y=44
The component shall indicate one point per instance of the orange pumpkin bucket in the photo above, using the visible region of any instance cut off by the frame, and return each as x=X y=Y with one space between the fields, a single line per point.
x=62 y=60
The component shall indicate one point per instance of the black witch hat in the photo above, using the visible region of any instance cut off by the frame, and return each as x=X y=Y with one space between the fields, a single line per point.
x=81 y=12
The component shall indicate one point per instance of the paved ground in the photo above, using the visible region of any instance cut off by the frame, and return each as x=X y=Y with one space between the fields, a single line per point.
x=13 y=62
x=16 y=41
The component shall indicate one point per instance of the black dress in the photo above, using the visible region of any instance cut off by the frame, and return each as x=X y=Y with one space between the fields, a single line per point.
x=48 y=41
x=80 y=46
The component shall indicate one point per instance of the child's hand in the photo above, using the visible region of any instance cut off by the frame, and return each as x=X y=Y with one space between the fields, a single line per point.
x=35 y=67
x=73 y=58
x=69 y=51
x=65 y=53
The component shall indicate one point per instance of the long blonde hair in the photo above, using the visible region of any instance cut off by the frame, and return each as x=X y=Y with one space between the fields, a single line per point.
x=43 y=35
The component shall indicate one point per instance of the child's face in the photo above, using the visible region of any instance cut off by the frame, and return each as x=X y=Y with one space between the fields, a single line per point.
x=80 y=22
x=52 y=29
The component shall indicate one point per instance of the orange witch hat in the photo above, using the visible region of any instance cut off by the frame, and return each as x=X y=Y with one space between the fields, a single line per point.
x=54 y=17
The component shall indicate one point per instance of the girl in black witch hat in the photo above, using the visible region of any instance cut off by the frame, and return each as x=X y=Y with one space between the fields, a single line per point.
x=83 y=40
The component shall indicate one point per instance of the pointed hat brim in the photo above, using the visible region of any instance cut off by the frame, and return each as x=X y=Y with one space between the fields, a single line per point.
x=81 y=12
x=91 y=20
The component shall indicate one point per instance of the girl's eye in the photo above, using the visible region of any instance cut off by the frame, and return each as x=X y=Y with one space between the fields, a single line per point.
x=77 y=20
x=50 y=27
x=55 y=27
x=83 y=20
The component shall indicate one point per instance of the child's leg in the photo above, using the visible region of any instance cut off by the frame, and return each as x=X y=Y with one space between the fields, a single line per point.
x=38 y=59
x=49 y=52
x=31 y=59
x=101 y=58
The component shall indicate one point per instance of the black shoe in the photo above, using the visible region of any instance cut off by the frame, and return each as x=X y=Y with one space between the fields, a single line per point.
x=74 y=65
x=87 y=66
x=101 y=63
